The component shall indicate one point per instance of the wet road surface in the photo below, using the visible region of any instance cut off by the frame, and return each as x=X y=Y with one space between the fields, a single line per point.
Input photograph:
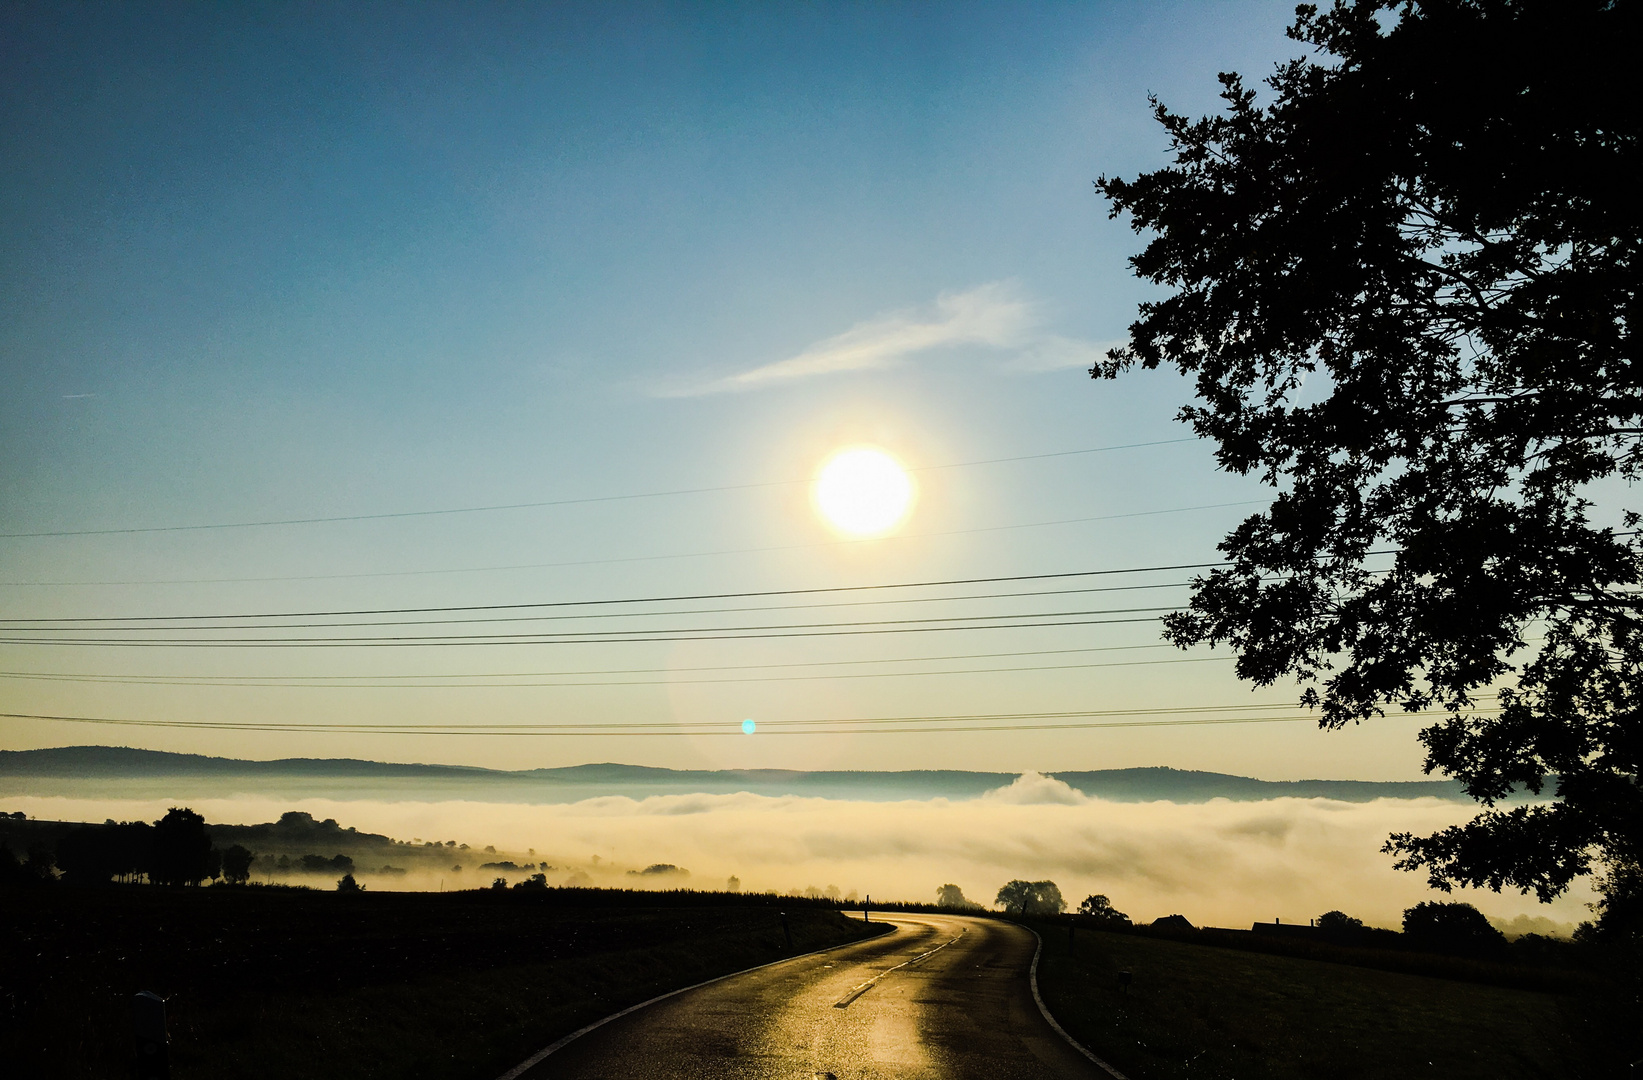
x=943 y=997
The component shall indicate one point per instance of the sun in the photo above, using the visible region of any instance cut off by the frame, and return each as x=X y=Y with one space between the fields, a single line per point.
x=863 y=492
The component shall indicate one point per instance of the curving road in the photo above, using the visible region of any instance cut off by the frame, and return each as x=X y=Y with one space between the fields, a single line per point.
x=944 y=996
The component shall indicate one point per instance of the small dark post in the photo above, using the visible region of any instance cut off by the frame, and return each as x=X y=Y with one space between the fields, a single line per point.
x=1124 y=980
x=787 y=933
x=153 y=1046
x=865 y=904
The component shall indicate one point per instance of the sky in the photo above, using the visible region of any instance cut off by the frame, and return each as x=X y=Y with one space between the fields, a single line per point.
x=632 y=272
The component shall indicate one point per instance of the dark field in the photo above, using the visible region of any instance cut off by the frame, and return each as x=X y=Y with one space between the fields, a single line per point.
x=273 y=982
x=1198 y=1011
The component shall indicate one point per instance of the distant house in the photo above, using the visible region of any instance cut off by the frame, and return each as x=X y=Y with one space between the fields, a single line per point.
x=1279 y=928
x=1172 y=922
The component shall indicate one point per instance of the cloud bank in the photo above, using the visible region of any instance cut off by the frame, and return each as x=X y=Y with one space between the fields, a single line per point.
x=1218 y=863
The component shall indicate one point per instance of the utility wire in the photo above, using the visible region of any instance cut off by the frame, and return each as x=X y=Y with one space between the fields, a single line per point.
x=581 y=672
x=160 y=680
x=49 y=624
x=676 y=598
x=606 y=637
x=642 y=558
x=970 y=723
x=543 y=503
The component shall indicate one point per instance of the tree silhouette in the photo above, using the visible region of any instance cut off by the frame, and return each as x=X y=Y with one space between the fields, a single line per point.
x=1339 y=923
x=951 y=896
x=1620 y=910
x=1452 y=928
x=347 y=884
x=181 y=849
x=1031 y=898
x=1100 y=907
x=1406 y=289
x=236 y=865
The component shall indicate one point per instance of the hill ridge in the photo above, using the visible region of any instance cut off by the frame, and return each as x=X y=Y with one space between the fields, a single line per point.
x=68 y=764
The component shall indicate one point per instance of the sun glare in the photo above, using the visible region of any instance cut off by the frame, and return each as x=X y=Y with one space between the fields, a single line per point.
x=863 y=492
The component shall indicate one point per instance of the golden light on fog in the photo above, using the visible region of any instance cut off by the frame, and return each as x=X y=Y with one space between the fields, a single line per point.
x=863 y=492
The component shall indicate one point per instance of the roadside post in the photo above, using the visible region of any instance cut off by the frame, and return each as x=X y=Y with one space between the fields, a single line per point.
x=787 y=933
x=865 y=904
x=153 y=1046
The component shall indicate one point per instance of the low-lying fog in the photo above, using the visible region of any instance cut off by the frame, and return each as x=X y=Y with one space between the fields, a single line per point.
x=1218 y=863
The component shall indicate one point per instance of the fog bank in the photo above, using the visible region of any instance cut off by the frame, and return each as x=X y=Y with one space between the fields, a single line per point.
x=1218 y=863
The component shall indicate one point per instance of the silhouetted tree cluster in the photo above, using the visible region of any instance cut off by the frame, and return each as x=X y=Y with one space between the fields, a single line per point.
x=1620 y=909
x=96 y=854
x=1460 y=929
x=1407 y=289
x=1339 y=928
x=319 y=864
x=1031 y=898
x=176 y=850
x=236 y=865
x=535 y=881
x=951 y=896
x=1098 y=906
x=347 y=884
x=181 y=851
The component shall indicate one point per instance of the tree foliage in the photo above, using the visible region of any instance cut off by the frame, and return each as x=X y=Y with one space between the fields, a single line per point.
x=236 y=864
x=1031 y=898
x=1098 y=906
x=1406 y=287
x=181 y=849
x=1452 y=928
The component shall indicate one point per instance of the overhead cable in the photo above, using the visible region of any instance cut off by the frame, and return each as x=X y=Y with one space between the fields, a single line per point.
x=541 y=503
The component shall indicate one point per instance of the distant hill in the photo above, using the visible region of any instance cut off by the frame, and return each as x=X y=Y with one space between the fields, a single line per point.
x=123 y=771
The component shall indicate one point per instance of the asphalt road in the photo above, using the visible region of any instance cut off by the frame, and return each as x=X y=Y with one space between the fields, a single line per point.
x=942 y=997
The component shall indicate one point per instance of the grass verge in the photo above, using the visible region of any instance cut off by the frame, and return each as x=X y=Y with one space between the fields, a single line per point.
x=268 y=982
x=1200 y=1012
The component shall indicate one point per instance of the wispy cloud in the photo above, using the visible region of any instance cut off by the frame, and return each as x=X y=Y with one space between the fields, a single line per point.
x=993 y=316
x=1052 y=352
x=989 y=315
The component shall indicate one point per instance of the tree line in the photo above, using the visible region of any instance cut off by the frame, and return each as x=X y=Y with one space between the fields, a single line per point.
x=175 y=850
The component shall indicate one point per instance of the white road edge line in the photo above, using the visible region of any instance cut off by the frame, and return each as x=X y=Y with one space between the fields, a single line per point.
x=1032 y=977
x=844 y=1002
x=537 y=1058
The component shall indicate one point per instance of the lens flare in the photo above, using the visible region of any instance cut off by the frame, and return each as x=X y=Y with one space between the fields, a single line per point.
x=748 y=727
x=863 y=492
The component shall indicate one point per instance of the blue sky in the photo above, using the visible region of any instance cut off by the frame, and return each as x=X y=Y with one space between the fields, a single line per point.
x=268 y=262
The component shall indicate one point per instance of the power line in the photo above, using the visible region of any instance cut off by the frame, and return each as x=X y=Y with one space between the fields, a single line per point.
x=160 y=680
x=206 y=679
x=949 y=725
x=18 y=625
x=150 y=628
x=638 y=558
x=605 y=637
x=676 y=598
x=543 y=503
